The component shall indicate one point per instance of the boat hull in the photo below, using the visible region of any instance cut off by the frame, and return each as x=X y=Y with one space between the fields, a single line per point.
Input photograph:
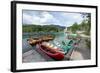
x=51 y=53
x=44 y=55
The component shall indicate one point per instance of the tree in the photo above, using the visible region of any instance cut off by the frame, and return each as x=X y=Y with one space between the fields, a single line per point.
x=74 y=27
x=87 y=22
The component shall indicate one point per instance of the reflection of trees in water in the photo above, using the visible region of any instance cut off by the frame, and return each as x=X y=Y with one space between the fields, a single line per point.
x=39 y=34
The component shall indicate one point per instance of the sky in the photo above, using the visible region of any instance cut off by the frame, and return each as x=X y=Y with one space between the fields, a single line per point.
x=51 y=17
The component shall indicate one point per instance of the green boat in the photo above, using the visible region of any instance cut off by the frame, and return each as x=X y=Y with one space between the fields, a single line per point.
x=67 y=45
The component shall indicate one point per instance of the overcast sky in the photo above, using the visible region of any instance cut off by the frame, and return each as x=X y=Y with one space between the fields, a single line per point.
x=51 y=17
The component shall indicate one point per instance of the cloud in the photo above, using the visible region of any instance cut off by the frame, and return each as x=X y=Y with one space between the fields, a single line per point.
x=43 y=18
x=27 y=19
x=30 y=19
x=36 y=19
x=47 y=18
x=72 y=18
x=72 y=15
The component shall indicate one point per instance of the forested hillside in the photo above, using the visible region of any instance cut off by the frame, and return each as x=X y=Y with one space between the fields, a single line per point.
x=42 y=28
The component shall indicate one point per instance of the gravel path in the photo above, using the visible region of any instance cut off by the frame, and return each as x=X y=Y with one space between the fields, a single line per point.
x=82 y=52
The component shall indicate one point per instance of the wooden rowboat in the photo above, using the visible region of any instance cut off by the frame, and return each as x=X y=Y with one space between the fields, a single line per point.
x=34 y=41
x=50 y=51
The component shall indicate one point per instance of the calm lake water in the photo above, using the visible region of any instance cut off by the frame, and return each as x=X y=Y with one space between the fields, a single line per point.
x=35 y=34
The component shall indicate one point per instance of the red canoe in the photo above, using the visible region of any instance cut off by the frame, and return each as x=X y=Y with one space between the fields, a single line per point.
x=51 y=52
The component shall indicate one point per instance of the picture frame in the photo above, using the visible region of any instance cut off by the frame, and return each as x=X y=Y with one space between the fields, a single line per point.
x=50 y=13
